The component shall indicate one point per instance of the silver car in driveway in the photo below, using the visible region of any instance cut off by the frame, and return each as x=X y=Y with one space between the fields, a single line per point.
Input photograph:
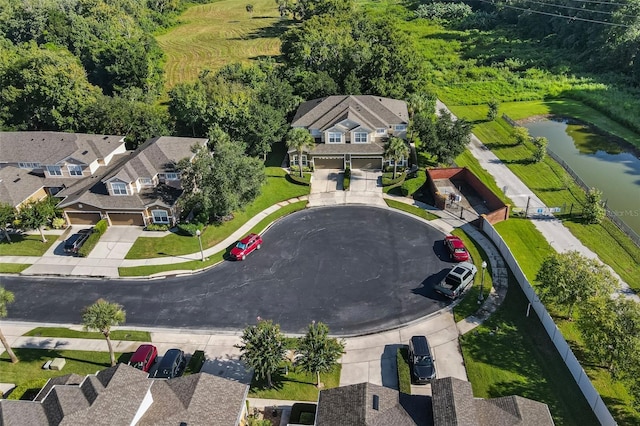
x=457 y=280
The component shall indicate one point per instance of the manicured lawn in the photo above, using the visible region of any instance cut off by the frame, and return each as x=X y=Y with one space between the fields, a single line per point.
x=215 y=34
x=29 y=376
x=469 y=304
x=278 y=188
x=140 y=271
x=132 y=335
x=296 y=385
x=13 y=268
x=511 y=354
x=26 y=245
x=404 y=371
x=416 y=211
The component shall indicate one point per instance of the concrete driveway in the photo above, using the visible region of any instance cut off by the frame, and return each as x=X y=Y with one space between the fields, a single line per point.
x=116 y=242
x=327 y=188
x=326 y=180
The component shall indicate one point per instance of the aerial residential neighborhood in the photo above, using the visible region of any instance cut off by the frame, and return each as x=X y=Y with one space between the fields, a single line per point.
x=316 y=212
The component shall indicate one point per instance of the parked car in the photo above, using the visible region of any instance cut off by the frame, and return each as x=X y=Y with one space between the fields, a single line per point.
x=74 y=242
x=245 y=246
x=423 y=368
x=457 y=280
x=171 y=365
x=144 y=357
x=457 y=251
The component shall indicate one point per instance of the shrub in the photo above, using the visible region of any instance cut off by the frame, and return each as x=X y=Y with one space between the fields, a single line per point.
x=195 y=363
x=89 y=244
x=305 y=169
x=444 y=11
x=387 y=179
x=189 y=229
x=28 y=390
x=404 y=372
x=157 y=227
x=304 y=180
x=101 y=226
x=346 y=182
x=58 y=223
x=411 y=185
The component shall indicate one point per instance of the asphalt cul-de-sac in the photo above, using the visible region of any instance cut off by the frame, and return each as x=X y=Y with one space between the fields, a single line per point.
x=358 y=269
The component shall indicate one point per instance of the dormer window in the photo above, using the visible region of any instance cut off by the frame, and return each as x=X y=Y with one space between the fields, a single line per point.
x=54 y=170
x=360 y=137
x=118 y=188
x=74 y=170
x=145 y=182
x=334 y=137
x=171 y=176
x=381 y=131
x=400 y=127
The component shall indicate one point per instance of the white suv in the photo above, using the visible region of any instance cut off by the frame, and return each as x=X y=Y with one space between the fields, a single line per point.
x=457 y=280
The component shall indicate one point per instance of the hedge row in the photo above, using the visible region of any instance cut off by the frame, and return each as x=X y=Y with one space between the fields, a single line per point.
x=346 y=182
x=99 y=229
x=387 y=179
x=404 y=371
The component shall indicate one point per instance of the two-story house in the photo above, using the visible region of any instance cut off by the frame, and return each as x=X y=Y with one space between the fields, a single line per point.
x=350 y=131
x=141 y=189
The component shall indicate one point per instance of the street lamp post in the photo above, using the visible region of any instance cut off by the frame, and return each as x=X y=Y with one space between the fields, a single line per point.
x=481 y=296
x=198 y=233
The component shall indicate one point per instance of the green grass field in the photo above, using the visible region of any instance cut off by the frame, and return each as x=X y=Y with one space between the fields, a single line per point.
x=215 y=34
x=130 y=335
x=26 y=245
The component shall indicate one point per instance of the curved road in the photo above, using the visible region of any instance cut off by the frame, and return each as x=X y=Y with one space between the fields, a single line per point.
x=358 y=269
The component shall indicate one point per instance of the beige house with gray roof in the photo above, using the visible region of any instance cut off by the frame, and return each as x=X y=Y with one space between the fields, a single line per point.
x=96 y=177
x=123 y=395
x=350 y=130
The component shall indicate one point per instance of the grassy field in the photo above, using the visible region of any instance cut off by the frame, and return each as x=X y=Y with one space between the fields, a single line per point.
x=296 y=385
x=13 y=268
x=26 y=245
x=278 y=188
x=212 y=35
x=131 y=335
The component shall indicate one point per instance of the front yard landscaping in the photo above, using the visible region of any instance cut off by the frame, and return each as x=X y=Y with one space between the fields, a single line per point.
x=26 y=245
x=278 y=188
x=294 y=385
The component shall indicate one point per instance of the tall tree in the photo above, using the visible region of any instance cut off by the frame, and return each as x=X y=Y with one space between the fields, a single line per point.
x=8 y=214
x=101 y=316
x=396 y=150
x=319 y=352
x=447 y=139
x=540 y=152
x=610 y=328
x=36 y=214
x=520 y=135
x=6 y=297
x=492 y=112
x=570 y=278
x=301 y=140
x=593 y=211
x=263 y=348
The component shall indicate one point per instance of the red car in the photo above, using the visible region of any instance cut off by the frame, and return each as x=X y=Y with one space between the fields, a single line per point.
x=245 y=246
x=457 y=250
x=144 y=357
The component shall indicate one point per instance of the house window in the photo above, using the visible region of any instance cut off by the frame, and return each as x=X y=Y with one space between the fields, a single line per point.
x=74 y=170
x=171 y=176
x=360 y=137
x=401 y=162
x=145 y=182
x=335 y=137
x=118 y=188
x=29 y=165
x=54 y=170
x=381 y=131
x=400 y=127
x=294 y=162
x=160 y=216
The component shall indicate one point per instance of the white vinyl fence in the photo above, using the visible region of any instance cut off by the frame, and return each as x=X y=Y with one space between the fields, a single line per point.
x=593 y=398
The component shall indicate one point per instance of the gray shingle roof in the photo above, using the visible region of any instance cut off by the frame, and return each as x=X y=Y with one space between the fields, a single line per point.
x=454 y=404
x=52 y=147
x=116 y=396
x=16 y=185
x=370 y=111
x=353 y=405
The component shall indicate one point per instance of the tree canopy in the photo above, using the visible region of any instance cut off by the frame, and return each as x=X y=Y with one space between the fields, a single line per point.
x=318 y=352
x=101 y=316
x=6 y=298
x=263 y=348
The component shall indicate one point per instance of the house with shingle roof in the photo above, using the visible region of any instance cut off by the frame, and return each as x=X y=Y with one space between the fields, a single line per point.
x=350 y=130
x=96 y=177
x=124 y=395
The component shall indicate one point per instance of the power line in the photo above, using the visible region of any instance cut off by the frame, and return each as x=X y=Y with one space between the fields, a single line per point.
x=601 y=2
x=557 y=15
x=577 y=8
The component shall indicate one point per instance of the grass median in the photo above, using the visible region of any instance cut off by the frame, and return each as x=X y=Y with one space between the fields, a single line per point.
x=277 y=189
x=13 y=268
x=416 y=211
x=129 y=335
x=141 y=271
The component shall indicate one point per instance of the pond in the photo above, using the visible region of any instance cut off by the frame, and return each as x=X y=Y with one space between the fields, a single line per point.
x=600 y=162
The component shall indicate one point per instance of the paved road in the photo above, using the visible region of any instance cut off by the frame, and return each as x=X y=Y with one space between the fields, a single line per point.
x=359 y=269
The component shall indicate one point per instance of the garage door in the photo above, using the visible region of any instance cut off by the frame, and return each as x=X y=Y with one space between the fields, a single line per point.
x=366 y=163
x=329 y=163
x=126 y=219
x=83 y=218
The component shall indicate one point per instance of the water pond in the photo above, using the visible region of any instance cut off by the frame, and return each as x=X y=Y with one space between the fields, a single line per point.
x=600 y=162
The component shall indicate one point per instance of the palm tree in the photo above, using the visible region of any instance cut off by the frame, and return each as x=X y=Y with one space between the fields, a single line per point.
x=396 y=150
x=300 y=140
x=318 y=352
x=6 y=297
x=101 y=316
x=263 y=348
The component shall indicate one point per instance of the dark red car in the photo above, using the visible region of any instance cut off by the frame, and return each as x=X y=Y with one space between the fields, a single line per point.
x=144 y=357
x=457 y=250
x=245 y=246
